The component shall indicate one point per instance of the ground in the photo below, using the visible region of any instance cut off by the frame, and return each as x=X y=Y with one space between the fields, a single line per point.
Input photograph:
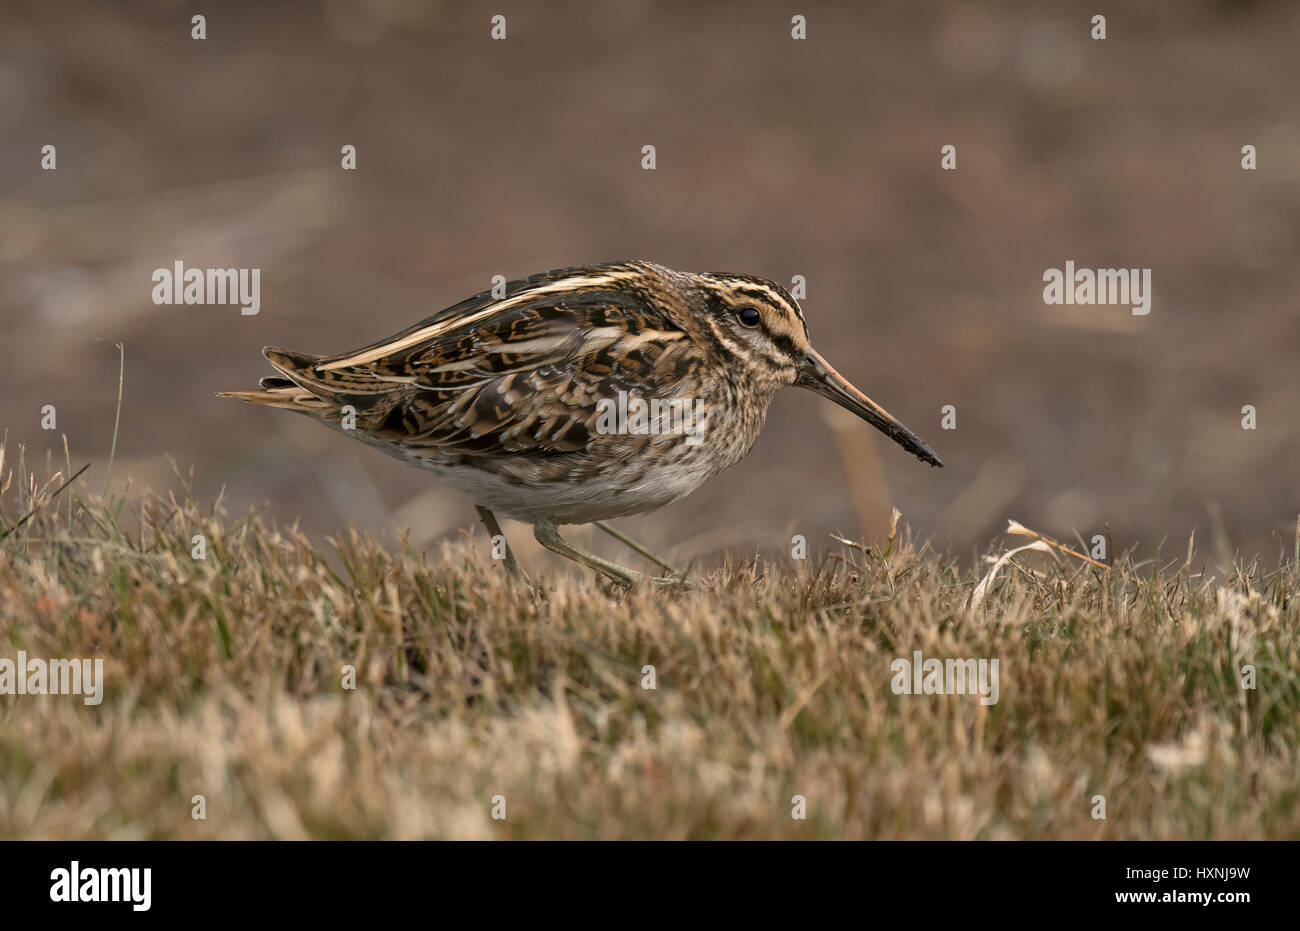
x=360 y=691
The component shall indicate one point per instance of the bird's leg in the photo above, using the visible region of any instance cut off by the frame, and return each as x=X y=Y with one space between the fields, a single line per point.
x=638 y=548
x=547 y=535
x=494 y=530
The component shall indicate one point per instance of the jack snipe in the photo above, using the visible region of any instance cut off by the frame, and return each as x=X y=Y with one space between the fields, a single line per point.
x=580 y=395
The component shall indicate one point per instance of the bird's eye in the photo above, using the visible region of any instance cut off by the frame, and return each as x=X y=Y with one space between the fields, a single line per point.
x=749 y=316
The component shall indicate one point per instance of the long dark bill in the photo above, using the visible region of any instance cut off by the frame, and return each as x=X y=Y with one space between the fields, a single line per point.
x=817 y=375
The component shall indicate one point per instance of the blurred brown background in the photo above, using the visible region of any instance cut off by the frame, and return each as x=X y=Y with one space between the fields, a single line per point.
x=775 y=157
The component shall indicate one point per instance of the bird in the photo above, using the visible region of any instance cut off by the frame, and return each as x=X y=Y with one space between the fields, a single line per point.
x=577 y=395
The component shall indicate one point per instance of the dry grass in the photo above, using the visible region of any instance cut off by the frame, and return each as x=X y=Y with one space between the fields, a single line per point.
x=224 y=679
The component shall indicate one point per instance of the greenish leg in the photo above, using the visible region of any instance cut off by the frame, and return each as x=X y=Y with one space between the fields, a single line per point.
x=549 y=536
x=638 y=548
x=494 y=530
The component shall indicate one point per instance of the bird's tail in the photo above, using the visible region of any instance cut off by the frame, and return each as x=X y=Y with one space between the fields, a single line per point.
x=293 y=389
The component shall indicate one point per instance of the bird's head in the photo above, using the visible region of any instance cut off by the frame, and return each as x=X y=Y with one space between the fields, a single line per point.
x=759 y=325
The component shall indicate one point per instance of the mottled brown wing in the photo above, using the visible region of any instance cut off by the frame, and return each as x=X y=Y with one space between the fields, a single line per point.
x=521 y=381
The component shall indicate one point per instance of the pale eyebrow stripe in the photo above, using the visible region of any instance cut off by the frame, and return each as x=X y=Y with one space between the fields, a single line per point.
x=753 y=289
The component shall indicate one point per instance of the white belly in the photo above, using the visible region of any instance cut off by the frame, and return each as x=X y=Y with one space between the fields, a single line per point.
x=565 y=502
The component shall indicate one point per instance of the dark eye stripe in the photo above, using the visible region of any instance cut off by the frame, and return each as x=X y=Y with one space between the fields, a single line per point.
x=785 y=344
